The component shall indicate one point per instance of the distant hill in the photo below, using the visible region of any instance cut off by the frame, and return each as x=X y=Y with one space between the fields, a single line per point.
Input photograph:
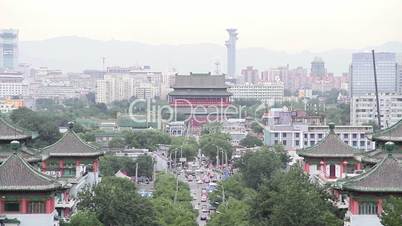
x=74 y=54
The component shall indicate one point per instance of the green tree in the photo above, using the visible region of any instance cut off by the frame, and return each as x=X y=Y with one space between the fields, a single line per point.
x=290 y=199
x=145 y=165
x=109 y=165
x=212 y=128
x=83 y=218
x=232 y=213
x=392 y=212
x=117 y=142
x=168 y=213
x=250 y=141
x=115 y=201
x=259 y=166
x=257 y=128
x=188 y=146
x=210 y=144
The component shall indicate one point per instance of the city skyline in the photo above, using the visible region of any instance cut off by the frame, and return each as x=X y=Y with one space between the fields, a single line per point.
x=290 y=26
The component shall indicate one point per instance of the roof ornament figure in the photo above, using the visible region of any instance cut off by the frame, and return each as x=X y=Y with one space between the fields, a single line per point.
x=389 y=147
x=15 y=144
x=331 y=126
x=70 y=125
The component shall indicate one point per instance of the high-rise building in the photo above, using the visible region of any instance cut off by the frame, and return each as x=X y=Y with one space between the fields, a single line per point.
x=250 y=75
x=362 y=73
x=318 y=67
x=8 y=48
x=231 y=52
x=363 y=109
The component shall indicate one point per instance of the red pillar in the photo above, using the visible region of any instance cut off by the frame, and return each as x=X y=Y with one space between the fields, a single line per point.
x=61 y=166
x=323 y=168
x=95 y=165
x=358 y=166
x=1 y=205
x=49 y=205
x=379 y=207
x=43 y=166
x=306 y=167
x=23 y=205
x=353 y=206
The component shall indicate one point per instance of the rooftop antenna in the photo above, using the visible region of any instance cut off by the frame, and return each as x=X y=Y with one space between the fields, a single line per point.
x=103 y=63
x=376 y=91
x=217 y=67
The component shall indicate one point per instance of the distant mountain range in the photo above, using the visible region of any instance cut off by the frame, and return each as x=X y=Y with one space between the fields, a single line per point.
x=74 y=54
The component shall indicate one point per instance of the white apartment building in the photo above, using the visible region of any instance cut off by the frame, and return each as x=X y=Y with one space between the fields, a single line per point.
x=294 y=137
x=266 y=92
x=13 y=89
x=363 y=109
x=122 y=87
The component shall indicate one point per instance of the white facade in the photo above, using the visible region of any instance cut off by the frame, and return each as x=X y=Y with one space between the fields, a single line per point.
x=362 y=73
x=123 y=87
x=13 y=89
x=363 y=109
x=302 y=136
x=266 y=92
x=34 y=219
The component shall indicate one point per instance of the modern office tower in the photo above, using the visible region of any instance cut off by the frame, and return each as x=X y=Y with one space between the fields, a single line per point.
x=250 y=75
x=318 y=67
x=231 y=52
x=8 y=48
x=362 y=73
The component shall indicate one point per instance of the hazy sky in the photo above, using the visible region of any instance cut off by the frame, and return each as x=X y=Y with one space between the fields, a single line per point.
x=289 y=25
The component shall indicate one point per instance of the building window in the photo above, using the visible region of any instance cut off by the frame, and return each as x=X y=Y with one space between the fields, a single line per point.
x=354 y=136
x=354 y=143
x=345 y=136
x=12 y=206
x=276 y=141
x=276 y=134
x=297 y=135
x=367 y=208
x=311 y=143
x=305 y=143
x=284 y=142
x=283 y=134
x=297 y=143
x=69 y=172
x=36 y=207
x=346 y=142
x=312 y=136
x=305 y=136
x=362 y=136
x=362 y=144
x=320 y=136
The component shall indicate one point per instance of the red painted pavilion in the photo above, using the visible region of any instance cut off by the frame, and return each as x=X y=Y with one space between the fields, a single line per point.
x=27 y=197
x=368 y=190
x=331 y=158
x=74 y=161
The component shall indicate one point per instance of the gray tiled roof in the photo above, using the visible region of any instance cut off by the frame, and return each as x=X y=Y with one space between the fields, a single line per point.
x=393 y=133
x=199 y=92
x=18 y=175
x=385 y=176
x=28 y=154
x=10 y=132
x=377 y=155
x=71 y=145
x=330 y=146
x=200 y=81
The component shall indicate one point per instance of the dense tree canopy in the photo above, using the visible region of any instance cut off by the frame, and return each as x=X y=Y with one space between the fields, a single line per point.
x=83 y=218
x=251 y=141
x=109 y=165
x=259 y=166
x=290 y=199
x=392 y=212
x=187 y=145
x=168 y=213
x=115 y=201
x=211 y=144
